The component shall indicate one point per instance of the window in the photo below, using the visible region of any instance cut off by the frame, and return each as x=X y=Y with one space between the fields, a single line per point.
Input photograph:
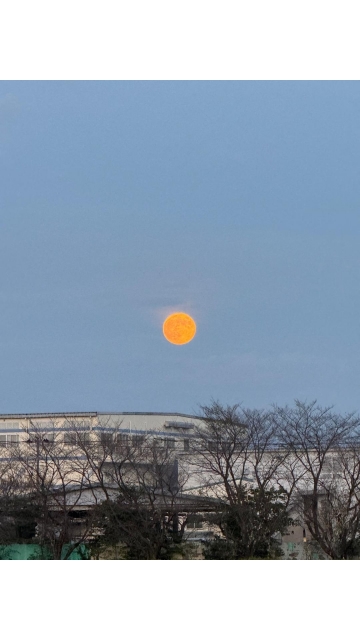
x=169 y=443
x=10 y=425
x=43 y=426
x=122 y=438
x=137 y=441
x=7 y=440
x=71 y=438
x=106 y=439
x=186 y=444
x=194 y=522
x=49 y=437
x=121 y=442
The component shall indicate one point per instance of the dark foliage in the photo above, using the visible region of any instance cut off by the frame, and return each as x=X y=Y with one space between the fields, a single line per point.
x=251 y=528
x=141 y=533
x=18 y=518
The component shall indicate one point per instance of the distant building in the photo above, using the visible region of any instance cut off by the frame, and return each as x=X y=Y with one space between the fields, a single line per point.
x=173 y=431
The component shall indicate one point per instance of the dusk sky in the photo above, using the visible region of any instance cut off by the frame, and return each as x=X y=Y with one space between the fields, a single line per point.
x=236 y=202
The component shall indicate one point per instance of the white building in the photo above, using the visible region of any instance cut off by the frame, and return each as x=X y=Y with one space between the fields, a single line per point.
x=173 y=431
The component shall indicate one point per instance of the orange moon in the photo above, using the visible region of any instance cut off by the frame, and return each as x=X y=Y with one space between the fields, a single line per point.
x=179 y=328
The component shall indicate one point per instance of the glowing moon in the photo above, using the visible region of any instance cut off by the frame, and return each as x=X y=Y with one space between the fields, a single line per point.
x=179 y=328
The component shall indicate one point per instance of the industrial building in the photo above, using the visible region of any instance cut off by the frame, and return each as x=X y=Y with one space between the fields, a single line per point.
x=170 y=431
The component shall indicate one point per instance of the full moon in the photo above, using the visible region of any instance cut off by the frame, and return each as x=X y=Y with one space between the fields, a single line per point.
x=179 y=328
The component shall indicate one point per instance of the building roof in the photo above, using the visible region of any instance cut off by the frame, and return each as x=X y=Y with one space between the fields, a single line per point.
x=93 y=414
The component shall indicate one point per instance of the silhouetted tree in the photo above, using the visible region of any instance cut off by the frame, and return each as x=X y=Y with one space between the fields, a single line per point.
x=252 y=528
x=324 y=449
x=136 y=483
x=53 y=483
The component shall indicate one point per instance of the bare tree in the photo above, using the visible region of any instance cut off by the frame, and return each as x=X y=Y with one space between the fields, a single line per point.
x=236 y=456
x=136 y=484
x=17 y=513
x=324 y=457
x=235 y=448
x=90 y=477
x=221 y=451
x=76 y=482
x=54 y=482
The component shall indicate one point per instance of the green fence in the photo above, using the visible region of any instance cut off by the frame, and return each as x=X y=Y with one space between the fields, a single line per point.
x=36 y=552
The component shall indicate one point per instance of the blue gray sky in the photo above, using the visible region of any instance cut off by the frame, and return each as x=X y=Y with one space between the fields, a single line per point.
x=236 y=202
